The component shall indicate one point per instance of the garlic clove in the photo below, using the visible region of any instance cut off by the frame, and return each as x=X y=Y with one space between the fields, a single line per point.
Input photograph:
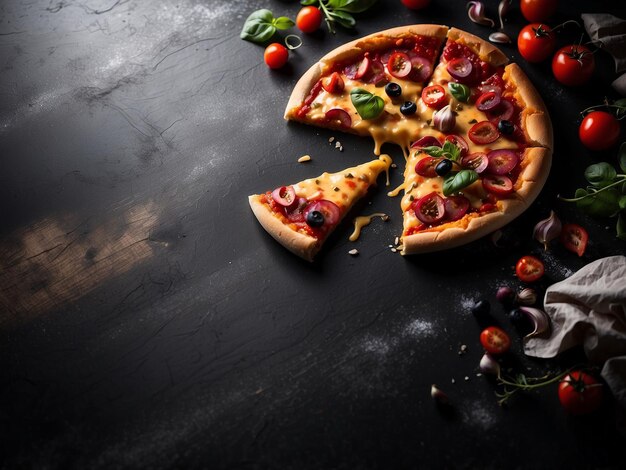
x=547 y=230
x=438 y=395
x=444 y=120
x=499 y=38
x=539 y=319
x=489 y=366
x=527 y=296
x=503 y=9
x=476 y=13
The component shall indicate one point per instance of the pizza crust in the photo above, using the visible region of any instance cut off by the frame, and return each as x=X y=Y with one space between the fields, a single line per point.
x=535 y=117
x=485 y=50
x=298 y=243
x=354 y=49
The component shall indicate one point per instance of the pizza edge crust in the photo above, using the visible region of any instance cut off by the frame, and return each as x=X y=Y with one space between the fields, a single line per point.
x=529 y=184
x=298 y=243
x=346 y=51
x=485 y=50
x=535 y=117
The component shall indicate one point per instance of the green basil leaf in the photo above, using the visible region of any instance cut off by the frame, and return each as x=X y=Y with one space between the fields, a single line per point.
x=455 y=182
x=600 y=203
x=433 y=151
x=368 y=106
x=451 y=151
x=622 y=203
x=258 y=27
x=620 y=228
x=459 y=91
x=600 y=174
x=308 y=2
x=351 y=6
x=282 y=22
x=621 y=155
x=344 y=19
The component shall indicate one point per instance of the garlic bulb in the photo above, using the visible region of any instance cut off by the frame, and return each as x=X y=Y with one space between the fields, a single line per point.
x=547 y=230
x=489 y=366
x=527 y=296
x=499 y=38
x=539 y=319
x=476 y=13
x=444 y=120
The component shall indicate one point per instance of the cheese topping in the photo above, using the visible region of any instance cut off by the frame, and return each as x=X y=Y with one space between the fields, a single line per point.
x=363 y=221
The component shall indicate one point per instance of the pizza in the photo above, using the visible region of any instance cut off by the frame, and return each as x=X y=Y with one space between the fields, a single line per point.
x=301 y=216
x=476 y=135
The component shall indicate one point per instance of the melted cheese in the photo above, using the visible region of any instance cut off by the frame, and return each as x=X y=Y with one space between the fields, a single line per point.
x=363 y=221
x=343 y=188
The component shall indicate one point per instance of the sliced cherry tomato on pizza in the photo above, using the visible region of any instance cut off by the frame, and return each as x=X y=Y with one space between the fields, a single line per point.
x=426 y=141
x=309 y=19
x=333 y=83
x=574 y=238
x=421 y=67
x=488 y=100
x=430 y=209
x=363 y=68
x=399 y=64
x=580 y=393
x=296 y=212
x=502 y=161
x=426 y=167
x=476 y=161
x=329 y=210
x=434 y=96
x=495 y=340
x=456 y=207
x=459 y=142
x=599 y=130
x=498 y=184
x=339 y=116
x=536 y=42
x=529 y=269
x=284 y=196
x=538 y=10
x=504 y=111
x=573 y=65
x=483 y=132
x=275 y=55
x=460 y=68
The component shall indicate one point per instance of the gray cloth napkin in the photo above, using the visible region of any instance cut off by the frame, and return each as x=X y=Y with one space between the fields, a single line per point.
x=589 y=309
x=609 y=33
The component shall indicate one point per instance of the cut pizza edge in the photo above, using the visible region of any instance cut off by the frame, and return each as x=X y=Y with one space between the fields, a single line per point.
x=301 y=216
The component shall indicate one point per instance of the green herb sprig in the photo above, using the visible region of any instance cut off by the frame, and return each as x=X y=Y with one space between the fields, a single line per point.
x=605 y=196
x=340 y=11
x=261 y=25
x=449 y=150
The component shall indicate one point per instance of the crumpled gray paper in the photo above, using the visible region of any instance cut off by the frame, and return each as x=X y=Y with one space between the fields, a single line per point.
x=609 y=33
x=589 y=309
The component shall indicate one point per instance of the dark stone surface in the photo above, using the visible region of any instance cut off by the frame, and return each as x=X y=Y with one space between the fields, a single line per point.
x=147 y=320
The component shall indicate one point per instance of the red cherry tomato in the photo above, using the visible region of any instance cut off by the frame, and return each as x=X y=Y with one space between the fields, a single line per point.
x=483 y=132
x=495 y=340
x=536 y=42
x=573 y=65
x=276 y=55
x=599 y=130
x=426 y=167
x=309 y=19
x=415 y=4
x=529 y=269
x=399 y=64
x=498 y=184
x=333 y=83
x=574 y=238
x=580 y=393
x=434 y=96
x=429 y=209
x=538 y=10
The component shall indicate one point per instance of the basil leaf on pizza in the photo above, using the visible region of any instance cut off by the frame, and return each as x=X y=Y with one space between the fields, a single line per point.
x=457 y=181
x=449 y=150
x=368 y=105
x=459 y=91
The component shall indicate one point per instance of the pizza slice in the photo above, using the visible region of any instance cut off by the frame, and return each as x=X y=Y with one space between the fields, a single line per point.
x=370 y=86
x=485 y=154
x=302 y=216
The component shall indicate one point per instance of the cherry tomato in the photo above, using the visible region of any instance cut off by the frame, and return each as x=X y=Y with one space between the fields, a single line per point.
x=276 y=55
x=529 y=269
x=498 y=184
x=495 y=340
x=580 y=393
x=434 y=96
x=599 y=130
x=573 y=65
x=399 y=64
x=415 y=4
x=309 y=19
x=426 y=167
x=430 y=208
x=333 y=83
x=536 y=42
x=538 y=10
x=483 y=132
x=574 y=238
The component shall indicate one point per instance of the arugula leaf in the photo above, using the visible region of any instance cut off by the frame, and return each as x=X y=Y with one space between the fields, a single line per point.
x=351 y=6
x=459 y=91
x=620 y=228
x=261 y=25
x=454 y=182
x=621 y=156
x=600 y=174
x=368 y=106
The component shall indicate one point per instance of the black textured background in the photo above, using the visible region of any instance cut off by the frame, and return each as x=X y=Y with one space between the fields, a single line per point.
x=147 y=320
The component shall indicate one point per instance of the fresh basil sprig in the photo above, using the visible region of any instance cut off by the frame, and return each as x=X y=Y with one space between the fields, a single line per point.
x=340 y=11
x=449 y=150
x=368 y=105
x=459 y=91
x=605 y=196
x=455 y=181
x=261 y=26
